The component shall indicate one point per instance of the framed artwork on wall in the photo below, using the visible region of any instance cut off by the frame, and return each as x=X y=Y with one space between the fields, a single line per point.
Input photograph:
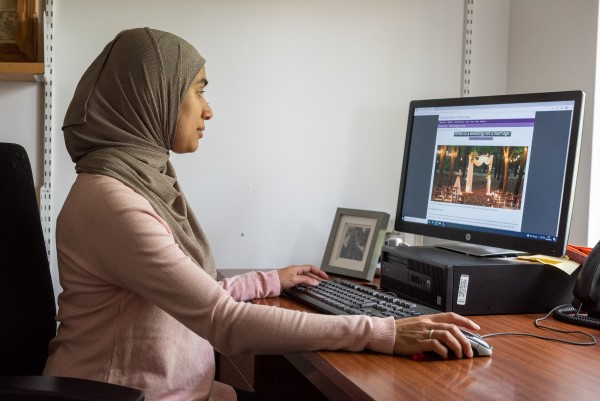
x=19 y=21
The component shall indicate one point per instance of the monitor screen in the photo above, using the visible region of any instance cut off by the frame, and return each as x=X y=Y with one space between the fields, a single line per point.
x=493 y=173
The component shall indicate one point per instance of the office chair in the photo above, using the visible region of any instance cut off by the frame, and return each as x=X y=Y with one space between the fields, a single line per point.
x=27 y=303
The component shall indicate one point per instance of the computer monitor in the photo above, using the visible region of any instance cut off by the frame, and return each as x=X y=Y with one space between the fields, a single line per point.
x=494 y=174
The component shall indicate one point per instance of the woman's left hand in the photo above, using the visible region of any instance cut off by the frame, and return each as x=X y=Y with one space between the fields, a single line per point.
x=291 y=276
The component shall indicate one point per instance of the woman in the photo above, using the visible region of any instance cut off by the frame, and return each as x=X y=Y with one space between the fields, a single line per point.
x=140 y=304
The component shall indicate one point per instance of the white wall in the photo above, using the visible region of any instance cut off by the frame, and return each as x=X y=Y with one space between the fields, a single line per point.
x=594 y=217
x=22 y=120
x=310 y=101
x=552 y=46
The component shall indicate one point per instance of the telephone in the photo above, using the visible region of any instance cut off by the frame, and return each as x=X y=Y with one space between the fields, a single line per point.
x=586 y=293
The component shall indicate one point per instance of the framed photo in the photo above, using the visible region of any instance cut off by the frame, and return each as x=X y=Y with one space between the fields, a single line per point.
x=355 y=243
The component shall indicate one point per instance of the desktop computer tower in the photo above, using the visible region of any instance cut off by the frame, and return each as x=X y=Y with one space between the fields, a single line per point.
x=469 y=285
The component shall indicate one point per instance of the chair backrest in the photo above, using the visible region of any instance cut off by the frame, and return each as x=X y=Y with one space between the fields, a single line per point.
x=27 y=304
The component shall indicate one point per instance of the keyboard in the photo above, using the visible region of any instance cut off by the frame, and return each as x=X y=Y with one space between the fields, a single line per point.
x=344 y=297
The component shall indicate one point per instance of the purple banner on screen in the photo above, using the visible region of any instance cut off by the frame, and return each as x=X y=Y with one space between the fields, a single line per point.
x=509 y=122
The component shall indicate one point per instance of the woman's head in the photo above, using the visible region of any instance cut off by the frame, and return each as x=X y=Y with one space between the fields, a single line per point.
x=130 y=96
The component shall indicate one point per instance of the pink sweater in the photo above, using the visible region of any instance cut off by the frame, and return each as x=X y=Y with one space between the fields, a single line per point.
x=136 y=311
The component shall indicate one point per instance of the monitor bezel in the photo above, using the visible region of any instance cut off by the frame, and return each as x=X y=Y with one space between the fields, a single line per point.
x=486 y=239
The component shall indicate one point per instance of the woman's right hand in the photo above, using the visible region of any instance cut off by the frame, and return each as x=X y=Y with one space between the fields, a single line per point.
x=438 y=333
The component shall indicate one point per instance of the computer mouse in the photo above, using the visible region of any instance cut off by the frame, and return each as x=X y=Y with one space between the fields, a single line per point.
x=479 y=346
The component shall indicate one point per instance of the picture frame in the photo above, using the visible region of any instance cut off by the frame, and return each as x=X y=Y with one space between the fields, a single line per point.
x=19 y=20
x=355 y=243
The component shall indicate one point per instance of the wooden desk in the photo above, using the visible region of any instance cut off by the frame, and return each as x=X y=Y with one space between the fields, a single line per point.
x=521 y=368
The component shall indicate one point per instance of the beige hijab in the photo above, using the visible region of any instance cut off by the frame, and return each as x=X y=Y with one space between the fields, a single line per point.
x=122 y=120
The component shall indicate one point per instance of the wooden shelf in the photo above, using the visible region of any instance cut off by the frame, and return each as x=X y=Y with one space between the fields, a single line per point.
x=21 y=71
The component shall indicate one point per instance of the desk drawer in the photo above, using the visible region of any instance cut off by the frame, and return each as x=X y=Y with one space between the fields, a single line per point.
x=237 y=371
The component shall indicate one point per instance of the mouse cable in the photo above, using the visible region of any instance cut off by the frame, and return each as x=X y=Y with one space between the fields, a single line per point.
x=540 y=326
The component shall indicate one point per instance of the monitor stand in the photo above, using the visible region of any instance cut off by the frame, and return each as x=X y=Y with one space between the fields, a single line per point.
x=479 y=250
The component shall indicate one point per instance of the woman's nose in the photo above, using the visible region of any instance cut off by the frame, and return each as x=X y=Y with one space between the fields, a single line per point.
x=207 y=113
